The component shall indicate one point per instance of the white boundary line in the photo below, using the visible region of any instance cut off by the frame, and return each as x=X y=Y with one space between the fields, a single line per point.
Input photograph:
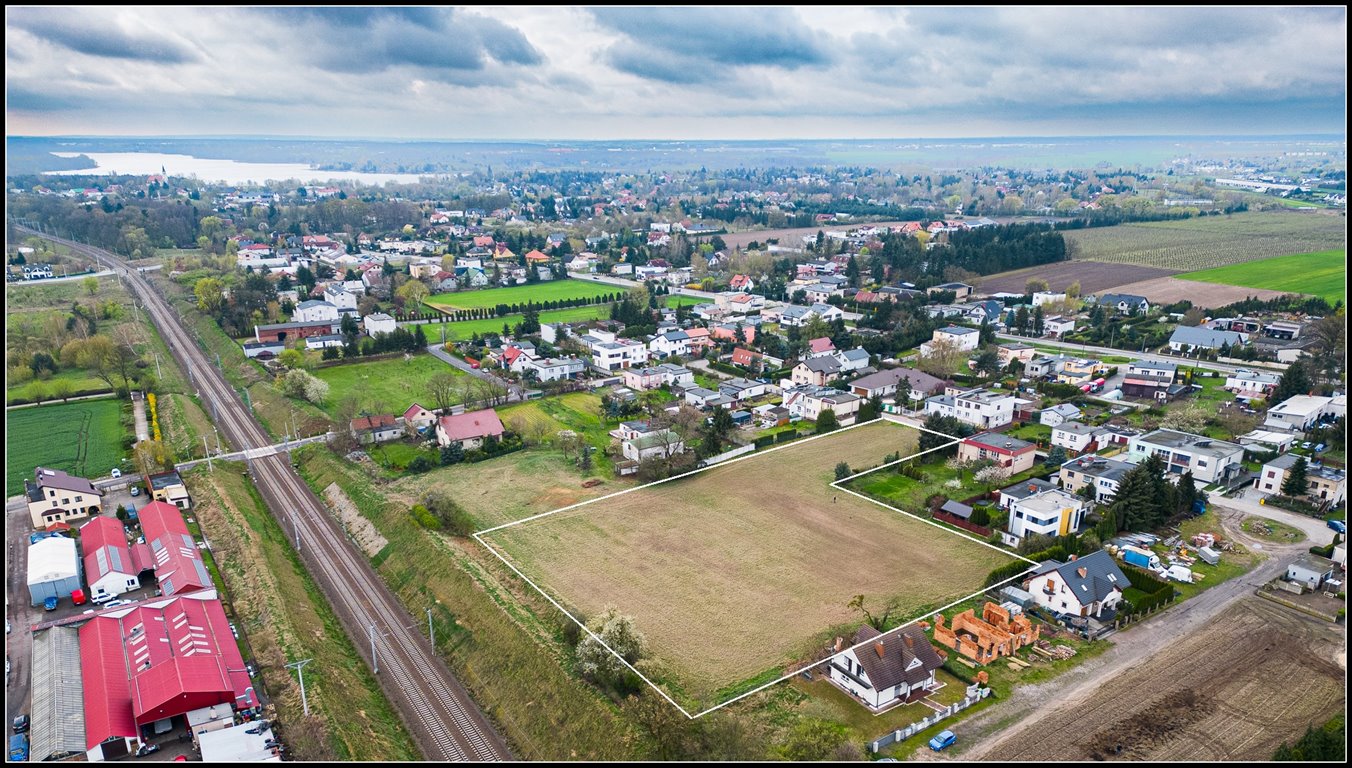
x=478 y=536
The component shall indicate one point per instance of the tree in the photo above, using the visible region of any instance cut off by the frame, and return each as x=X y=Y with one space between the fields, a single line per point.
x=992 y=476
x=1329 y=350
x=880 y=620
x=948 y=427
x=1056 y=456
x=413 y=292
x=1297 y=481
x=291 y=358
x=842 y=470
x=301 y=385
x=1295 y=381
x=720 y=424
x=452 y=454
x=826 y=422
x=90 y=284
x=1193 y=317
x=988 y=362
x=62 y=388
x=904 y=389
x=1035 y=285
x=943 y=358
x=612 y=634
x=442 y=389
x=210 y=294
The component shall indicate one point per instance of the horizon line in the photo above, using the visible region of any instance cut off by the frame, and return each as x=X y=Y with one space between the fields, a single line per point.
x=309 y=137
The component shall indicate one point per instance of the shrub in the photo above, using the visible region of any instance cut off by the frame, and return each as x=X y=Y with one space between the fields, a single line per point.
x=420 y=464
x=842 y=471
x=423 y=517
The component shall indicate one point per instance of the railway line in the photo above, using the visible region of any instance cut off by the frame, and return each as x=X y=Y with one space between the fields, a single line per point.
x=444 y=721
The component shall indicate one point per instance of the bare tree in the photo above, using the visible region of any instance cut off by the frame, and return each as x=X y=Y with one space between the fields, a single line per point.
x=569 y=443
x=442 y=388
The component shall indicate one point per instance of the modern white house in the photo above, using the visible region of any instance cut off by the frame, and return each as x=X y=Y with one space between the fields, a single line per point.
x=1057 y=326
x=379 y=322
x=1086 y=586
x=1209 y=460
x=983 y=408
x=1301 y=412
x=1050 y=513
x=611 y=353
x=314 y=311
x=1187 y=339
x=885 y=669
x=553 y=369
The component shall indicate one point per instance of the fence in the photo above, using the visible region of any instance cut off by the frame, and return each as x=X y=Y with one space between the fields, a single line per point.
x=901 y=734
x=735 y=452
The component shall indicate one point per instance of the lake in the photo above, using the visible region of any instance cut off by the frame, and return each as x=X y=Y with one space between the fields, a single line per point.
x=223 y=171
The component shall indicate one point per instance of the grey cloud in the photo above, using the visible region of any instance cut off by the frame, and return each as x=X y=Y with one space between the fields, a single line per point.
x=691 y=45
x=73 y=30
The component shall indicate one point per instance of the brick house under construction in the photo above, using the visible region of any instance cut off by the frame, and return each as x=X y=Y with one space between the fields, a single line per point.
x=983 y=640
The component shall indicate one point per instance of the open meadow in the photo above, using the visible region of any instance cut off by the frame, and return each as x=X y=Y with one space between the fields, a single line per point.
x=736 y=571
x=1209 y=241
x=83 y=438
x=553 y=290
x=1322 y=274
x=389 y=385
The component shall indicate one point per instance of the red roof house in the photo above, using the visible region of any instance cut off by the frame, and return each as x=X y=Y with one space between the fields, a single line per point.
x=820 y=346
x=536 y=256
x=469 y=429
x=745 y=357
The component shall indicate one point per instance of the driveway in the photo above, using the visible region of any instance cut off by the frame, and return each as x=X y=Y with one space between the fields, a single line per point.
x=1246 y=503
x=513 y=391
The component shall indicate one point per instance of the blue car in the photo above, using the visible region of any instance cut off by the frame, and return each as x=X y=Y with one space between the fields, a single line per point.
x=943 y=741
x=1338 y=525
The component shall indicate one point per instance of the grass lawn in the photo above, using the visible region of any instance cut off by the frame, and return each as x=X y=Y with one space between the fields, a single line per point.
x=821 y=700
x=685 y=558
x=553 y=290
x=464 y=329
x=285 y=617
x=1271 y=530
x=82 y=438
x=578 y=411
x=396 y=455
x=1322 y=274
x=383 y=386
x=1033 y=433
x=910 y=494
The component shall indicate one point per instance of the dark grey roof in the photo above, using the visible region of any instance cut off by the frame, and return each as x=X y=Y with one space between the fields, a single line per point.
x=890 y=668
x=1204 y=337
x=957 y=509
x=823 y=364
x=1129 y=298
x=55 y=478
x=1091 y=578
x=1100 y=467
x=1027 y=488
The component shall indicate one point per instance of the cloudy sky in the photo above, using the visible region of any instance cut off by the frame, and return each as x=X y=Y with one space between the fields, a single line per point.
x=679 y=73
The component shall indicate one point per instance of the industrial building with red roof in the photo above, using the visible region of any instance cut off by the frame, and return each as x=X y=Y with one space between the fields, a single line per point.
x=178 y=564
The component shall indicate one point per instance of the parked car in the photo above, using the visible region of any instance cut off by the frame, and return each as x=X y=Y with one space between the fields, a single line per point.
x=147 y=749
x=21 y=723
x=1306 y=445
x=116 y=472
x=1338 y=525
x=49 y=604
x=136 y=490
x=1321 y=448
x=943 y=741
x=101 y=598
x=116 y=603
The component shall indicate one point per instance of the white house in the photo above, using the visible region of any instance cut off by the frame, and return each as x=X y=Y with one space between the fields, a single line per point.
x=613 y=354
x=670 y=343
x=339 y=297
x=658 y=443
x=418 y=418
x=885 y=669
x=1124 y=303
x=700 y=397
x=1047 y=297
x=809 y=401
x=314 y=311
x=1300 y=412
x=1087 y=586
x=1074 y=436
x=56 y=497
x=963 y=339
x=1187 y=338
x=553 y=369
x=983 y=408
x=108 y=564
x=379 y=322
x=1057 y=326
x=379 y=428
x=1058 y=414
x=1050 y=513
x=1209 y=460
x=676 y=375
x=1252 y=383
x=852 y=359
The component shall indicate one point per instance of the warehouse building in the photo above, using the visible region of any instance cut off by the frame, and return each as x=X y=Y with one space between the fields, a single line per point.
x=53 y=568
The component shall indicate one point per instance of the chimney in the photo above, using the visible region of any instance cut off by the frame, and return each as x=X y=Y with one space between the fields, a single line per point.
x=1083 y=572
x=910 y=641
x=879 y=648
x=1073 y=558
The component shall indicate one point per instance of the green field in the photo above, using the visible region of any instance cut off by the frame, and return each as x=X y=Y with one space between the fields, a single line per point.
x=83 y=438
x=1210 y=241
x=1321 y=274
x=464 y=329
x=383 y=386
x=554 y=290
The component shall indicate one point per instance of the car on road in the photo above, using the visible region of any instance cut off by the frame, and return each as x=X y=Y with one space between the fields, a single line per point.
x=943 y=741
x=116 y=472
x=1338 y=525
x=21 y=723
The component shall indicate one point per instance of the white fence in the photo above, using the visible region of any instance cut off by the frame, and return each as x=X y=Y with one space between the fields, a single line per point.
x=904 y=733
x=732 y=454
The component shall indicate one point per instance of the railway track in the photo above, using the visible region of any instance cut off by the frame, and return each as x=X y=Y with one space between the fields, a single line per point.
x=444 y=721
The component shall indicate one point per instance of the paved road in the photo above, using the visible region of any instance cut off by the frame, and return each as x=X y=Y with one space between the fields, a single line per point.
x=19 y=640
x=1132 y=647
x=138 y=410
x=441 y=717
x=97 y=396
x=513 y=391
x=1090 y=349
x=1246 y=503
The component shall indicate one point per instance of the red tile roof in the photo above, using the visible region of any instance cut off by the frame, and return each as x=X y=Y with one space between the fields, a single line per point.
x=467 y=426
x=414 y=411
x=744 y=356
x=368 y=423
x=821 y=345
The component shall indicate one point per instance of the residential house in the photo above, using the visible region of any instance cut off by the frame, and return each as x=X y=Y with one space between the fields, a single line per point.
x=742 y=283
x=884 y=383
x=1057 y=326
x=1008 y=495
x=1324 y=485
x=734 y=332
x=676 y=375
x=1124 y=303
x=1250 y=384
x=793 y=315
x=1148 y=378
x=816 y=370
x=628 y=430
x=1188 y=339
x=700 y=397
x=377 y=323
x=819 y=347
x=1058 y=414
x=1015 y=350
x=325 y=341
x=818 y=293
x=56 y=497
x=1080 y=370
x=1011 y=453
x=1209 y=460
x=885 y=670
x=1310 y=571
x=659 y=443
x=670 y=343
x=553 y=369
x=1047 y=297
x=611 y=353
x=469 y=429
x=963 y=339
x=982 y=408
x=808 y=401
x=742 y=389
x=698 y=340
x=1085 y=586
x=338 y=296
x=418 y=419
x=314 y=311
x=622 y=269
x=1041 y=367
x=1103 y=474
x=852 y=360
x=1301 y=412
x=169 y=488
x=379 y=428
x=747 y=359
x=1050 y=513
x=643 y=378
x=1075 y=437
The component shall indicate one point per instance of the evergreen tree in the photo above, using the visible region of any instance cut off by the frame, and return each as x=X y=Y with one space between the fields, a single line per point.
x=986 y=334
x=1295 y=381
x=1021 y=319
x=903 y=397
x=1297 y=480
x=827 y=422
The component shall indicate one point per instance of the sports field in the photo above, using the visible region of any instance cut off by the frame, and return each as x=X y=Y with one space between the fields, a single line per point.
x=1322 y=274
x=83 y=438
x=736 y=571
x=554 y=290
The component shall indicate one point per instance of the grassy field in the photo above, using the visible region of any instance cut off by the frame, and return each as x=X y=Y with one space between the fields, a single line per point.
x=1211 y=241
x=464 y=329
x=554 y=290
x=82 y=438
x=735 y=571
x=1322 y=274
x=909 y=494
x=285 y=617
x=383 y=386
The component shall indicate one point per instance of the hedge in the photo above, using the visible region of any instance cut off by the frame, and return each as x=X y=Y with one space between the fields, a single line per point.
x=728 y=369
x=1157 y=591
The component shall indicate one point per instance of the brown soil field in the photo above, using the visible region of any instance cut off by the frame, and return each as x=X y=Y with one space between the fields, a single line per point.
x=789 y=237
x=1168 y=290
x=1093 y=276
x=732 y=572
x=1248 y=680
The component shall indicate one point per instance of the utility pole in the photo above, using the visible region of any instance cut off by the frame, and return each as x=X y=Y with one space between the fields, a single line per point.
x=207 y=450
x=431 y=639
x=158 y=375
x=375 y=660
x=299 y=666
